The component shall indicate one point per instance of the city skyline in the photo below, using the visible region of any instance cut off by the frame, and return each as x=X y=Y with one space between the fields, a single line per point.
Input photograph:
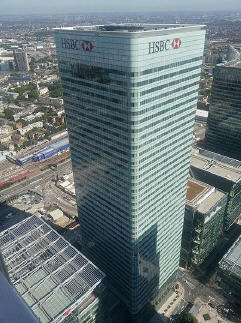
x=94 y=6
x=131 y=95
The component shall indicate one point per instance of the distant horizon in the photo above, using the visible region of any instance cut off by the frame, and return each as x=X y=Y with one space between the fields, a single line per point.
x=43 y=7
x=122 y=12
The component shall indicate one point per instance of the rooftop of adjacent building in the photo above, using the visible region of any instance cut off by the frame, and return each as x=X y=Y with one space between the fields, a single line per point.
x=202 y=196
x=130 y=28
x=48 y=272
x=216 y=164
x=233 y=58
x=194 y=190
x=233 y=64
x=231 y=261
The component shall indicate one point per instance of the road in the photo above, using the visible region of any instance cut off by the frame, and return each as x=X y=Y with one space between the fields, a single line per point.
x=195 y=289
x=39 y=179
x=51 y=193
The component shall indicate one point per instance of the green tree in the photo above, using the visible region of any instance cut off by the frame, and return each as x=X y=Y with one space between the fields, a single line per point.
x=8 y=114
x=55 y=89
x=56 y=93
x=33 y=94
x=2 y=147
x=188 y=318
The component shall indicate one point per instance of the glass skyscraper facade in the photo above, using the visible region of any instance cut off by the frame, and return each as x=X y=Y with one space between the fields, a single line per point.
x=223 y=134
x=130 y=95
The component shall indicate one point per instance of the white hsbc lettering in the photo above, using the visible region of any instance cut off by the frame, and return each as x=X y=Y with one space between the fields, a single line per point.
x=163 y=45
x=159 y=46
x=71 y=44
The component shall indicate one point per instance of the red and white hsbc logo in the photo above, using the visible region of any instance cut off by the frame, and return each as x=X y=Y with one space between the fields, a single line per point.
x=159 y=46
x=85 y=45
x=176 y=43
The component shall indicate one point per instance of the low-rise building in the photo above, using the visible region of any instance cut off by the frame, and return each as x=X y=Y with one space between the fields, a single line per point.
x=33 y=116
x=29 y=127
x=5 y=153
x=17 y=116
x=29 y=117
x=5 y=139
x=59 y=135
x=5 y=129
x=203 y=222
x=1 y=104
x=39 y=114
x=43 y=91
x=11 y=95
x=52 y=101
x=16 y=108
x=56 y=215
x=60 y=112
x=229 y=272
x=18 y=124
x=223 y=173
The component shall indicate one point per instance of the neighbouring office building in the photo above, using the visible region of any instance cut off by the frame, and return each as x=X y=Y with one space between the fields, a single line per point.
x=223 y=134
x=229 y=272
x=130 y=94
x=21 y=60
x=54 y=280
x=203 y=222
x=223 y=173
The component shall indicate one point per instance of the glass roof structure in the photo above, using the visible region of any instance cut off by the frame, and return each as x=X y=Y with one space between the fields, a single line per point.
x=48 y=272
x=232 y=260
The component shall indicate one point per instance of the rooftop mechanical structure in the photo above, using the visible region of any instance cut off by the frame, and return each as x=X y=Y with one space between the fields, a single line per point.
x=56 y=281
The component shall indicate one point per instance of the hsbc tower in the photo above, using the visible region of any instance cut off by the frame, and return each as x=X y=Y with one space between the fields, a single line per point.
x=130 y=95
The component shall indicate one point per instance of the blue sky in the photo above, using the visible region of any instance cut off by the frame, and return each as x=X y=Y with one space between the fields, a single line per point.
x=82 y=6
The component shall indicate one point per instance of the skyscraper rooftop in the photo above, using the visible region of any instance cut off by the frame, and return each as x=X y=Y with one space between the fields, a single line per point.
x=216 y=164
x=129 y=28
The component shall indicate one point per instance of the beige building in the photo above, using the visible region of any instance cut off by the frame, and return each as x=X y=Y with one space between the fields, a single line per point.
x=21 y=60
